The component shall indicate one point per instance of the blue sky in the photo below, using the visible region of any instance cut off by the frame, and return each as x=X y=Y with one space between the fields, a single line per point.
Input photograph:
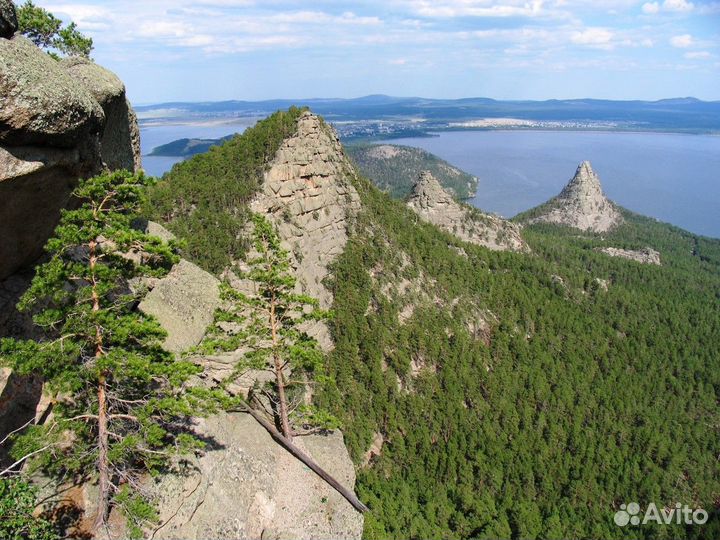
x=207 y=50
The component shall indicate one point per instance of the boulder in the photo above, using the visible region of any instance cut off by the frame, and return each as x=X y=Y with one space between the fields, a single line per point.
x=59 y=122
x=8 y=19
x=247 y=486
x=120 y=138
x=40 y=103
x=184 y=302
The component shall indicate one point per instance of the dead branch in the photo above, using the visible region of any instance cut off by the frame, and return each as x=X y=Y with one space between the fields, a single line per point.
x=307 y=460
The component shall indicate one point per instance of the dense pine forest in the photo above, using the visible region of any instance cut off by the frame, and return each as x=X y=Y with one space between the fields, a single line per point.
x=513 y=395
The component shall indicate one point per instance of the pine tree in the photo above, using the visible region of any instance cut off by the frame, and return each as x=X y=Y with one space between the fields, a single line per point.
x=119 y=407
x=268 y=326
x=46 y=31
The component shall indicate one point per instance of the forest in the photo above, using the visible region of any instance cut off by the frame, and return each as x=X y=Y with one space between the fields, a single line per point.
x=515 y=395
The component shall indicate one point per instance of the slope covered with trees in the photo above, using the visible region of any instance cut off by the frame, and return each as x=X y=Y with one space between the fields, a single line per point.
x=395 y=169
x=583 y=399
x=592 y=383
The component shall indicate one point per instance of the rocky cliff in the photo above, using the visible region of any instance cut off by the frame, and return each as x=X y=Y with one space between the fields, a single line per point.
x=59 y=121
x=307 y=196
x=244 y=485
x=581 y=204
x=435 y=205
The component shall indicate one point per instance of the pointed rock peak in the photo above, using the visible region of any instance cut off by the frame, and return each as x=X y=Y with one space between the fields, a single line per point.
x=427 y=191
x=435 y=205
x=585 y=168
x=582 y=204
x=585 y=182
x=308 y=194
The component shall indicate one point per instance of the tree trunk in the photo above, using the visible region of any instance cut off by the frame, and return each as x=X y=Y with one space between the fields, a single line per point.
x=280 y=380
x=102 y=463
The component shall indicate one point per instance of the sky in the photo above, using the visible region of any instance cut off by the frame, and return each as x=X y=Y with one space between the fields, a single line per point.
x=211 y=50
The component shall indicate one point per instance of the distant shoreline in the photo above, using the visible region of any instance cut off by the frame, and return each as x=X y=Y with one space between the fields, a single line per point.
x=390 y=137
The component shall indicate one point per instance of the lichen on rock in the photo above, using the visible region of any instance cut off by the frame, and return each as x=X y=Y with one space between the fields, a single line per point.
x=59 y=122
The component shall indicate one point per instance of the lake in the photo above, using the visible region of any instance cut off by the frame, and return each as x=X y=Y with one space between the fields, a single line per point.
x=671 y=177
x=152 y=136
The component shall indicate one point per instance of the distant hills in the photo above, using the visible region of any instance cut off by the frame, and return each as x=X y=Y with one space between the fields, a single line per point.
x=685 y=114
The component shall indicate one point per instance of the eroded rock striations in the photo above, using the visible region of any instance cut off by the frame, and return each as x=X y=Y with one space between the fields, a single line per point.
x=435 y=205
x=581 y=204
x=59 y=121
x=307 y=196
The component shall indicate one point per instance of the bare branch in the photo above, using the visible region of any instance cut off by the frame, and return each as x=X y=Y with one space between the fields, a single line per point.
x=26 y=424
x=27 y=456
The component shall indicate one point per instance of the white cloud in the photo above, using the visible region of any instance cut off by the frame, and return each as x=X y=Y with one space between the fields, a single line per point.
x=681 y=42
x=697 y=55
x=651 y=8
x=671 y=6
x=599 y=37
x=678 y=5
x=479 y=8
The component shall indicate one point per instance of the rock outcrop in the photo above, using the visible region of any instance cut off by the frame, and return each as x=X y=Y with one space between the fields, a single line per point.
x=246 y=486
x=435 y=205
x=120 y=137
x=307 y=196
x=581 y=204
x=184 y=303
x=645 y=256
x=59 y=121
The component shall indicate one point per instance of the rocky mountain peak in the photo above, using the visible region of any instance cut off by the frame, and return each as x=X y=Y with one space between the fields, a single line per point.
x=435 y=205
x=428 y=193
x=582 y=204
x=308 y=196
x=585 y=185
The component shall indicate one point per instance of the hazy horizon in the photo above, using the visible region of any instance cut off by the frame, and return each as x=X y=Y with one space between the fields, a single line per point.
x=442 y=98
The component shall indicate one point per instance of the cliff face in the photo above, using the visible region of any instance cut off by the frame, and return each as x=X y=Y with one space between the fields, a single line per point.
x=581 y=204
x=59 y=121
x=435 y=205
x=308 y=198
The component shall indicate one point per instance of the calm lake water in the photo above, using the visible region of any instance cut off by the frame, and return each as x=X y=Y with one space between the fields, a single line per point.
x=674 y=178
x=671 y=177
x=152 y=136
